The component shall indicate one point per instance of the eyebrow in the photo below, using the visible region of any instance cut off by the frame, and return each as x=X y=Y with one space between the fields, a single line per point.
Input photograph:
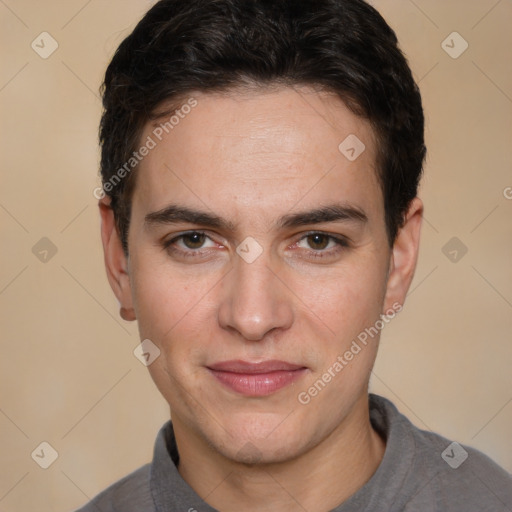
x=174 y=214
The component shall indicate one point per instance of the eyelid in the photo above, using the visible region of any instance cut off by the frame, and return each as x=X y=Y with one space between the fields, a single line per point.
x=326 y=255
x=341 y=239
x=342 y=242
x=177 y=236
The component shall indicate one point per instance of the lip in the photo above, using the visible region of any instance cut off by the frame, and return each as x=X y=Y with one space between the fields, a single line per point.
x=256 y=379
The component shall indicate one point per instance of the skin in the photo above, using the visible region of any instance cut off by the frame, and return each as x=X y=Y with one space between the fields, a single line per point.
x=252 y=157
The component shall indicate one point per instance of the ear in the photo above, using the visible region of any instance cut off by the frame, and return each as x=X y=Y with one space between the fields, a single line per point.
x=116 y=262
x=404 y=256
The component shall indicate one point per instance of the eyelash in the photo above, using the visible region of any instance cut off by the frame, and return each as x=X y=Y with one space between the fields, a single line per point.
x=341 y=242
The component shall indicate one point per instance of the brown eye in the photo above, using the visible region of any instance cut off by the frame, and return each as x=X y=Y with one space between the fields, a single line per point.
x=318 y=241
x=193 y=240
x=319 y=246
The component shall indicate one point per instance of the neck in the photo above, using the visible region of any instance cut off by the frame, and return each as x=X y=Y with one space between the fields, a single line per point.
x=319 y=479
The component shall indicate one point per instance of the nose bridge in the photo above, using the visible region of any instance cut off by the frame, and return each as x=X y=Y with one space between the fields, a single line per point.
x=254 y=302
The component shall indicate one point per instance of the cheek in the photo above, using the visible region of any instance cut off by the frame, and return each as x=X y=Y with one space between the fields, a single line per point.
x=172 y=313
x=350 y=304
x=164 y=300
x=345 y=299
x=176 y=312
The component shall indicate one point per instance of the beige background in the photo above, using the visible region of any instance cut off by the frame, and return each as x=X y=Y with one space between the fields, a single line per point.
x=68 y=375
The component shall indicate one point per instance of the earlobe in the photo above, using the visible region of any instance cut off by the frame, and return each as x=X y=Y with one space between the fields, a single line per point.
x=404 y=256
x=116 y=263
x=127 y=314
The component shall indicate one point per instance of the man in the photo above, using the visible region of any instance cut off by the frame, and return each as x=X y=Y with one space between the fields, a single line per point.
x=260 y=161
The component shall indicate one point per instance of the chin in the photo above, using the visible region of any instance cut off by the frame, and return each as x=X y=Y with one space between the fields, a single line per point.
x=262 y=452
x=262 y=442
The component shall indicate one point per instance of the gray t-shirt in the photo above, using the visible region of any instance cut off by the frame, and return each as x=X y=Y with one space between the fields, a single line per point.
x=420 y=472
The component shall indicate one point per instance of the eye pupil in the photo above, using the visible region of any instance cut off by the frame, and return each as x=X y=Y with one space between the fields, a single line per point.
x=194 y=240
x=318 y=241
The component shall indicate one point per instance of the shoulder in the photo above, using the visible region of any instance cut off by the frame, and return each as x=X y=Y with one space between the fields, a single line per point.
x=462 y=474
x=130 y=494
x=441 y=473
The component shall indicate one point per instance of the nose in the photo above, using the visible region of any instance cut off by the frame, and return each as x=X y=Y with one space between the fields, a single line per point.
x=254 y=300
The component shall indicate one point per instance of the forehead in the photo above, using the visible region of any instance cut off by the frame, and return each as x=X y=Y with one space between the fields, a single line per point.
x=259 y=152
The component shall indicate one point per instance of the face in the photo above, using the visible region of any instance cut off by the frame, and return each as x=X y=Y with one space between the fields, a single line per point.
x=257 y=255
